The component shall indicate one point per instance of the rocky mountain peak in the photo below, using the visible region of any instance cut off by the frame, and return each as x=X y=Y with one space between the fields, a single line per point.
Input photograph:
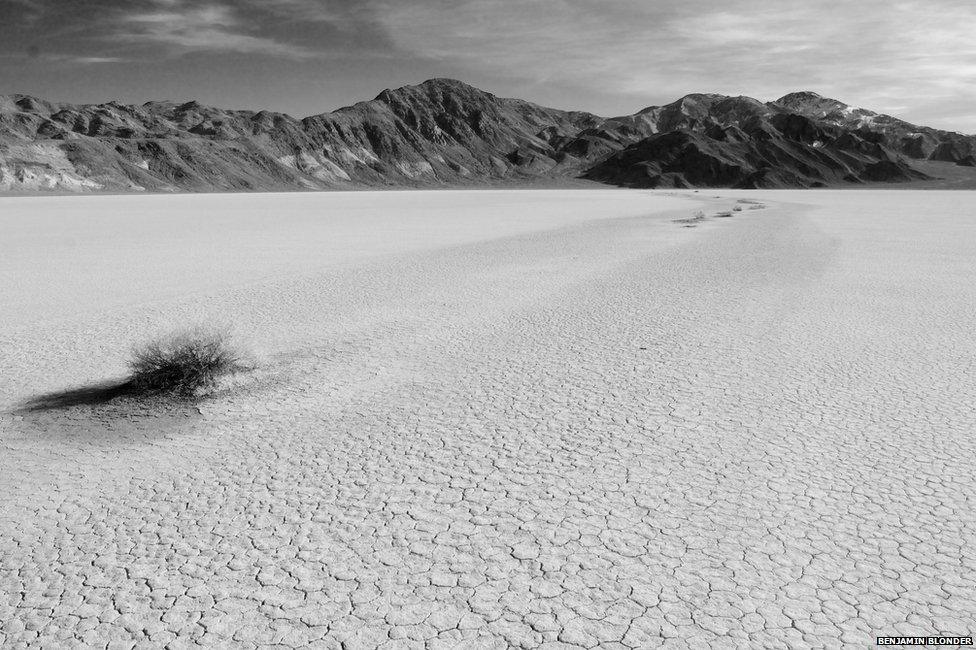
x=799 y=96
x=437 y=90
x=809 y=103
x=444 y=131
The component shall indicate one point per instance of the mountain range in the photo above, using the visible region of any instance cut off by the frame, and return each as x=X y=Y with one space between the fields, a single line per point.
x=444 y=132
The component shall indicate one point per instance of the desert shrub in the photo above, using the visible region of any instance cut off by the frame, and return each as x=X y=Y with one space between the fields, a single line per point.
x=184 y=364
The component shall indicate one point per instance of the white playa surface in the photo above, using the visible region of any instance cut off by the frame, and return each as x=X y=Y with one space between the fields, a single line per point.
x=495 y=419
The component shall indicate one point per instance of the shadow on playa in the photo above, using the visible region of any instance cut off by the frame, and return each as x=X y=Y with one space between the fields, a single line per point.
x=181 y=368
x=92 y=395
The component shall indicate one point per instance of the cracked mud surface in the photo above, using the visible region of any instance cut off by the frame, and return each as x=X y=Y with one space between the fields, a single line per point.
x=618 y=434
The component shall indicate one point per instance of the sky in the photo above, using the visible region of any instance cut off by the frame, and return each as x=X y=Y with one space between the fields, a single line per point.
x=915 y=59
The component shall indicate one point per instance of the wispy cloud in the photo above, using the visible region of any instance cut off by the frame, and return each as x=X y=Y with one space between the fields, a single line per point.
x=201 y=28
x=23 y=11
x=326 y=11
x=53 y=57
x=911 y=58
x=95 y=60
x=874 y=52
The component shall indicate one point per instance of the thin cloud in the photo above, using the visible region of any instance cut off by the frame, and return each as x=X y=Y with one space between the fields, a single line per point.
x=23 y=11
x=910 y=58
x=207 y=28
x=341 y=14
x=874 y=52
x=64 y=58
x=95 y=60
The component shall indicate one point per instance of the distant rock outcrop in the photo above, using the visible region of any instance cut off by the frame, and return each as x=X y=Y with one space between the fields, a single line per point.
x=445 y=132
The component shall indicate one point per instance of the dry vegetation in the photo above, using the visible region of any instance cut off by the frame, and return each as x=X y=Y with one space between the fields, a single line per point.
x=185 y=364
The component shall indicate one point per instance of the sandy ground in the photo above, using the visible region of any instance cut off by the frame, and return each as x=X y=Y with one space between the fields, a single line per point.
x=496 y=419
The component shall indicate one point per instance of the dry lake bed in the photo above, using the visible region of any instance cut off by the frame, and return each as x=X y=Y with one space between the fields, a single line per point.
x=492 y=419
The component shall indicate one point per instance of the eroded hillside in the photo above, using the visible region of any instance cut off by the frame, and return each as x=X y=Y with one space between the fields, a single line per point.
x=445 y=132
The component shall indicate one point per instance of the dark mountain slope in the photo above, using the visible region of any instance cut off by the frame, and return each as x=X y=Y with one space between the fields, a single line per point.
x=772 y=149
x=441 y=131
x=444 y=132
x=917 y=142
x=800 y=140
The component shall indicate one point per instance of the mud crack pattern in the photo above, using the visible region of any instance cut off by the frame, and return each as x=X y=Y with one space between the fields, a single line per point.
x=756 y=433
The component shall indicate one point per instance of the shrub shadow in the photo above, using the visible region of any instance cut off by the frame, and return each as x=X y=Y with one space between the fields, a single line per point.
x=91 y=395
x=175 y=370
